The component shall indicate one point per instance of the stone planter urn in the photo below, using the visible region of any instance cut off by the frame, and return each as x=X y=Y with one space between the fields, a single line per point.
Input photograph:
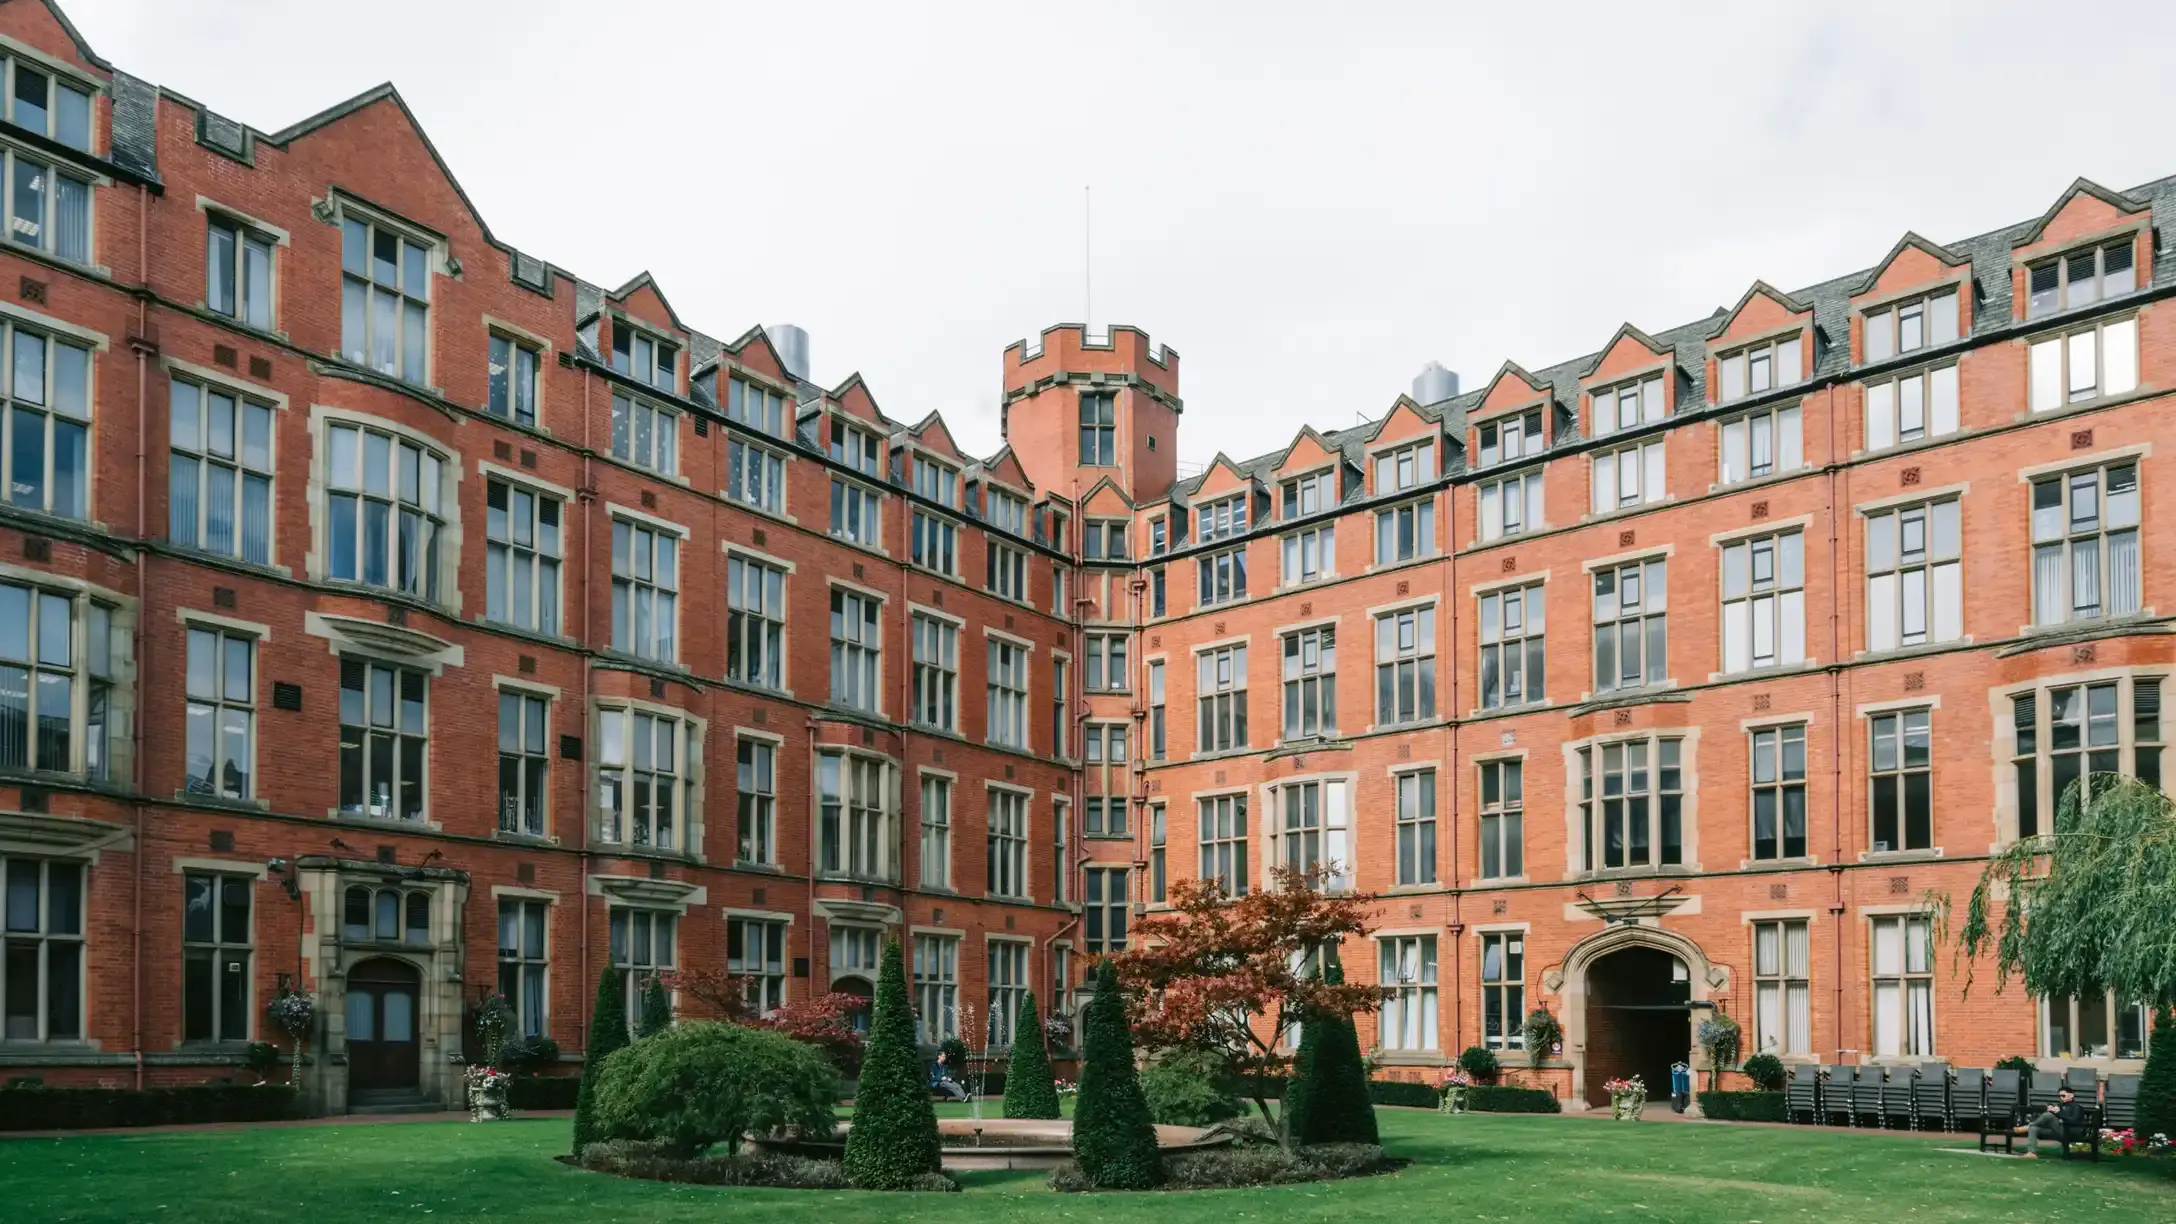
x=487 y=1095
x=1627 y=1099
x=1454 y=1099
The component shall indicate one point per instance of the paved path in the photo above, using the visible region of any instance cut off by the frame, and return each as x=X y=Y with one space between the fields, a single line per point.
x=458 y=1115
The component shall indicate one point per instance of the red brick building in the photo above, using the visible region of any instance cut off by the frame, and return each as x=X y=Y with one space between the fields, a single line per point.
x=767 y=674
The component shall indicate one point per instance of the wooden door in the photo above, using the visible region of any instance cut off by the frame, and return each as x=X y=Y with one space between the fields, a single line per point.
x=384 y=1049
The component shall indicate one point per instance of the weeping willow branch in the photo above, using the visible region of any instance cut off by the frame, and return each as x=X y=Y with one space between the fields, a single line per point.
x=2091 y=907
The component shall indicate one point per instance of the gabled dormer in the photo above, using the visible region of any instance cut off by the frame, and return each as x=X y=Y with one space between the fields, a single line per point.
x=1224 y=500
x=853 y=430
x=1406 y=451
x=646 y=338
x=1630 y=384
x=1307 y=475
x=935 y=468
x=1106 y=518
x=2091 y=245
x=1762 y=343
x=1920 y=296
x=754 y=386
x=1513 y=420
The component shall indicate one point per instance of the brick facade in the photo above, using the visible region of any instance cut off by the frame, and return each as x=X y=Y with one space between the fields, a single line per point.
x=135 y=800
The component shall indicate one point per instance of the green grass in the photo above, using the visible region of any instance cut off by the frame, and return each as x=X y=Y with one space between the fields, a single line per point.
x=1548 y=1170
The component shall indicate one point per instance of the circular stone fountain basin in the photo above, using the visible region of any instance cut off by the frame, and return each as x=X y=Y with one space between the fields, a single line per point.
x=999 y=1143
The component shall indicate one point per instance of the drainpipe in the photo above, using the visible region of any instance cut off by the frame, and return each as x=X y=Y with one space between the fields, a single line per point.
x=585 y=496
x=141 y=346
x=1453 y=787
x=1836 y=723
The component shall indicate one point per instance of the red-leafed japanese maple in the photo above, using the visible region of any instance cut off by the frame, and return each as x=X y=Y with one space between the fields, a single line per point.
x=824 y=1021
x=1231 y=973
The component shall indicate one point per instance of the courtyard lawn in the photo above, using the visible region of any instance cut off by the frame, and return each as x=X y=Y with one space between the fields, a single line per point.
x=1477 y=1167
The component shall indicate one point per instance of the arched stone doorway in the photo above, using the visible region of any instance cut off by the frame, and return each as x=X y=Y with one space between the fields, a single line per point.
x=384 y=1029
x=1629 y=997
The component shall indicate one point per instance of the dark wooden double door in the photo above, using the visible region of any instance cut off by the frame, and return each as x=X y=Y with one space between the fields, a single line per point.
x=384 y=1046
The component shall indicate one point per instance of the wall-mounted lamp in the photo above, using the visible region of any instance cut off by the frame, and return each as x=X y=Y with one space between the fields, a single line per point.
x=285 y=871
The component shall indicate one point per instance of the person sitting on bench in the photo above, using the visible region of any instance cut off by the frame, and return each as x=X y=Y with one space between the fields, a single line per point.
x=2064 y=1122
x=942 y=1083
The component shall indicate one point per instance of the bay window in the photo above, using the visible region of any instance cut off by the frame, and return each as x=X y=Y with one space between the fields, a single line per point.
x=646 y=767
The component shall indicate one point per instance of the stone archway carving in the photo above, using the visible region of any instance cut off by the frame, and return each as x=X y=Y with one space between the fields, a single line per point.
x=1568 y=983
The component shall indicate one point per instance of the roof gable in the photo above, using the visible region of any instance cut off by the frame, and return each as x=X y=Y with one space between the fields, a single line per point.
x=1763 y=308
x=933 y=436
x=853 y=398
x=1912 y=261
x=43 y=25
x=1222 y=478
x=1630 y=349
x=1404 y=420
x=1307 y=452
x=1107 y=499
x=367 y=112
x=2086 y=208
x=642 y=298
x=1004 y=467
x=755 y=351
x=1513 y=387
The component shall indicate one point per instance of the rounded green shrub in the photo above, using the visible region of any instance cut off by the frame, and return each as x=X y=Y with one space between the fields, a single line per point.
x=1190 y=1088
x=1480 y=1063
x=893 y=1144
x=1766 y=1071
x=1114 y=1141
x=704 y=1083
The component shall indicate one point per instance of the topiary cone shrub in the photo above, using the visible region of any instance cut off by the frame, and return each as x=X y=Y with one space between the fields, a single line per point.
x=656 y=1007
x=1114 y=1142
x=2157 y=1087
x=1031 y=1091
x=1328 y=1100
x=893 y=1140
x=607 y=1034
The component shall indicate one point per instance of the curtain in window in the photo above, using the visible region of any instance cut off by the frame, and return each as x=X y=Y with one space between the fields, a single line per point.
x=72 y=219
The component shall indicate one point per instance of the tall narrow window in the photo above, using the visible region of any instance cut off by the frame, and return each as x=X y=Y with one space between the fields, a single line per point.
x=45 y=448
x=645 y=435
x=1779 y=792
x=1008 y=844
x=1008 y=696
x=645 y=591
x=1061 y=847
x=854 y=815
x=385 y=300
x=1761 y=443
x=384 y=524
x=1407 y=974
x=1007 y=567
x=755 y=623
x=1061 y=737
x=524 y=766
x=1405 y=666
x=1503 y=819
x=1416 y=827
x=1103 y=910
x=1008 y=982
x=757 y=785
x=1782 y=995
x=1631 y=637
x=1106 y=780
x=755 y=952
x=1903 y=781
x=1098 y=429
x=1632 y=804
x=2089 y=362
x=1157 y=745
x=1310 y=683
x=512 y=379
x=643 y=945
x=1910 y=407
x=1914 y=576
x=936 y=672
x=1903 y=985
x=524 y=964
x=646 y=776
x=222 y=714
x=42 y=973
x=41 y=664
x=936 y=988
x=1513 y=663
x=1223 y=837
x=1629 y=476
x=1158 y=843
x=1222 y=686
x=521 y=557
x=856 y=658
x=1503 y=991
x=936 y=832
x=383 y=729
x=2085 y=562
x=219 y=487
x=216 y=941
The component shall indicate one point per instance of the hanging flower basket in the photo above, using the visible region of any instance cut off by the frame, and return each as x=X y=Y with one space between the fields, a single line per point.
x=487 y=1094
x=1627 y=1098
x=1455 y=1087
x=294 y=1013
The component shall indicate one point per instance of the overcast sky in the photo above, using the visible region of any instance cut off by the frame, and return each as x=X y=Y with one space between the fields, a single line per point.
x=1307 y=201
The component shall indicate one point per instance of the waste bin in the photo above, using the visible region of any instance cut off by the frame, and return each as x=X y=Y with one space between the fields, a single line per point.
x=1680 y=1087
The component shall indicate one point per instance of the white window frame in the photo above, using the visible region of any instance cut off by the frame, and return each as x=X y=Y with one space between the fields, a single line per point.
x=1415 y=827
x=936 y=847
x=1320 y=544
x=1503 y=990
x=1901 y=1001
x=761 y=961
x=1513 y=633
x=856 y=816
x=668 y=779
x=1221 y=695
x=1911 y=406
x=1915 y=575
x=424 y=505
x=1900 y=767
x=1778 y=756
x=1763 y=580
x=755 y=787
x=195 y=462
x=1783 y=987
x=1767 y=441
x=1618 y=484
x=408 y=738
x=936 y=987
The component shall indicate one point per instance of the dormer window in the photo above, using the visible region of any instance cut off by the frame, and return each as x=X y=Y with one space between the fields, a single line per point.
x=1405 y=467
x=758 y=408
x=856 y=448
x=49 y=105
x=1004 y=511
x=1512 y=437
x=1627 y=406
x=935 y=481
x=1761 y=367
x=385 y=299
x=2081 y=278
x=1905 y=327
x=1105 y=540
x=1310 y=494
x=1227 y=517
x=1158 y=536
x=644 y=358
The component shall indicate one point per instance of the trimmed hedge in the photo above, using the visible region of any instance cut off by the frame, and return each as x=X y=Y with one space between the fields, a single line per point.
x=1744 y=1106
x=1496 y=1098
x=543 y=1091
x=1483 y=1098
x=1398 y=1092
x=30 y=1109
